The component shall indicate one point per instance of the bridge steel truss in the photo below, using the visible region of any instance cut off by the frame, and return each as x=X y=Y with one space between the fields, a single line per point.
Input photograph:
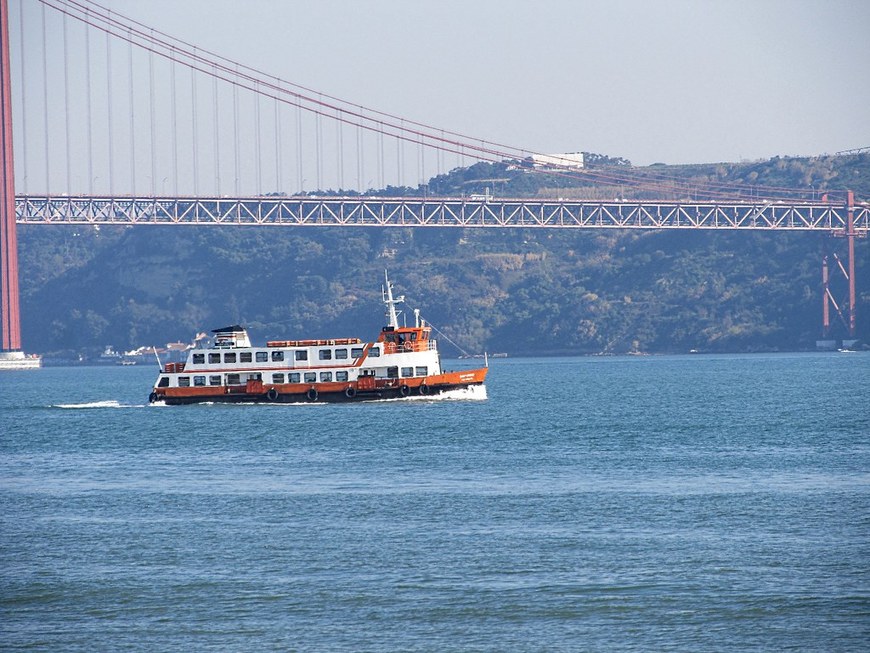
x=443 y=212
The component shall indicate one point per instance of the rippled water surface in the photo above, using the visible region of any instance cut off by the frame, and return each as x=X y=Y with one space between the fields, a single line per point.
x=692 y=503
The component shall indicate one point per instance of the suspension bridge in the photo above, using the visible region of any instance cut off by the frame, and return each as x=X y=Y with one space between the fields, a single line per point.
x=116 y=123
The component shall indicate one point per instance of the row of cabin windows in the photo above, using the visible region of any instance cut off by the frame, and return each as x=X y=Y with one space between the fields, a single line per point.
x=309 y=377
x=292 y=377
x=277 y=356
x=278 y=377
x=407 y=372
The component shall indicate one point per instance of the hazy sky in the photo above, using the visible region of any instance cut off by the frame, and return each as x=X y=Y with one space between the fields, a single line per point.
x=671 y=80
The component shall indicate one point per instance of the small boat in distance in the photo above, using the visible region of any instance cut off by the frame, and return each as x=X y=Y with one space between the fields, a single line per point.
x=402 y=362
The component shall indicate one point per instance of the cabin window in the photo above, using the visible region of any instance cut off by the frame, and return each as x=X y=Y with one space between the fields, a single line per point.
x=230 y=358
x=164 y=382
x=341 y=376
x=233 y=379
x=262 y=356
x=374 y=352
x=255 y=377
x=407 y=371
x=414 y=336
x=245 y=357
x=183 y=381
x=392 y=372
x=278 y=356
x=356 y=352
x=214 y=358
x=310 y=377
x=214 y=380
x=278 y=378
x=325 y=377
x=199 y=359
x=340 y=354
x=367 y=373
x=423 y=371
x=294 y=377
x=199 y=380
x=325 y=354
x=302 y=355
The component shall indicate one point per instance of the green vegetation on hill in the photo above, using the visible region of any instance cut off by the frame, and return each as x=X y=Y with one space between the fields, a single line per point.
x=522 y=291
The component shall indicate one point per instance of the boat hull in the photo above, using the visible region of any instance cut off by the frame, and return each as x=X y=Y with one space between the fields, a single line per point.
x=321 y=393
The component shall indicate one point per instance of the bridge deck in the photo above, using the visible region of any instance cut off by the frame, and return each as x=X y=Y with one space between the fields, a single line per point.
x=440 y=212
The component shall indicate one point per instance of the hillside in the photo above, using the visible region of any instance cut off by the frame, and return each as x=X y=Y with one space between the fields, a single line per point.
x=517 y=291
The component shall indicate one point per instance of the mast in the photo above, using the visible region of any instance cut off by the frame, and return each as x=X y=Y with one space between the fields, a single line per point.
x=392 y=315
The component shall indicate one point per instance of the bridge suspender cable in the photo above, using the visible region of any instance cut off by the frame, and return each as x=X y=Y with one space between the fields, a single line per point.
x=325 y=106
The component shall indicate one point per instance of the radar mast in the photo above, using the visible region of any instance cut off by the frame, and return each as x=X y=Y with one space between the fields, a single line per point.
x=391 y=314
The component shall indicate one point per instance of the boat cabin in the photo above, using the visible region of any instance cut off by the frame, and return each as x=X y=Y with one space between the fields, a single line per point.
x=231 y=337
x=399 y=339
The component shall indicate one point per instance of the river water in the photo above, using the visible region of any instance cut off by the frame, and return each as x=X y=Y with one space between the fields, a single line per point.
x=694 y=503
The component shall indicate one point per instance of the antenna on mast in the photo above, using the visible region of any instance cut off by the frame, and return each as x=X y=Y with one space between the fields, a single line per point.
x=392 y=315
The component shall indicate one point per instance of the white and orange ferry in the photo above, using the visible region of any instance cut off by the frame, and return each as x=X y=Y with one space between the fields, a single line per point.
x=402 y=362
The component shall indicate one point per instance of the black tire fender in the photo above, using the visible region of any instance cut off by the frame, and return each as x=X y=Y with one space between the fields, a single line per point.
x=272 y=395
x=311 y=394
x=153 y=397
x=350 y=392
x=404 y=390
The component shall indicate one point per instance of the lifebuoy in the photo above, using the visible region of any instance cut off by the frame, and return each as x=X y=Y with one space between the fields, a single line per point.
x=350 y=392
x=407 y=346
x=311 y=394
x=152 y=397
x=424 y=389
x=404 y=391
x=272 y=395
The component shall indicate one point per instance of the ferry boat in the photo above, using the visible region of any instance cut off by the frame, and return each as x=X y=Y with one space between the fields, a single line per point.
x=402 y=362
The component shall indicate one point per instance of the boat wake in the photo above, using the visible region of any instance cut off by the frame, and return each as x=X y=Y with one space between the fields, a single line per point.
x=97 y=404
x=471 y=393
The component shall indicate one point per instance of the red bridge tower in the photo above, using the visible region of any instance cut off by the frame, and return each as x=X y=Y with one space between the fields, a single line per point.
x=8 y=241
x=10 y=347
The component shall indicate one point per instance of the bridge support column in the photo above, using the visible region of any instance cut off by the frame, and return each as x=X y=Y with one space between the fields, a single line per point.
x=850 y=240
x=11 y=321
x=847 y=308
x=826 y=298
